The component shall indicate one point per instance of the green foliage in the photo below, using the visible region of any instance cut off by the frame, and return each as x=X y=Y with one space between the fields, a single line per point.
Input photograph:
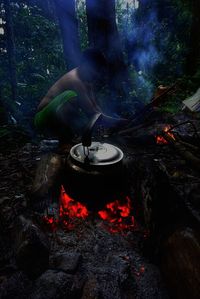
x=39 y=55
x=156 y=35
x=39 y=52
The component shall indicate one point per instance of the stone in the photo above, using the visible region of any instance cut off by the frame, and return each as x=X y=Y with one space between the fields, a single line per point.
x=32 y=249
x=67 y=262
x=53 y=285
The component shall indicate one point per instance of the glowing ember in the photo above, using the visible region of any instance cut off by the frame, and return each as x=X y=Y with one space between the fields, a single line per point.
x=161 y=139
x=51 y=221
x=69 y=207
x=69 y=211
x=118 y=215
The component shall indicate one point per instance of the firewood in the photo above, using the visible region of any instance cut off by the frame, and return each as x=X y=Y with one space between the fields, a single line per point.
x=183 y=151
x=154 y=102
x=180 y=264
x=190 y=146
x=47 y=176
x=133 y=129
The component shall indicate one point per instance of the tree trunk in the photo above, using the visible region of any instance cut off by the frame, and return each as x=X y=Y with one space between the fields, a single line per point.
x=3 y=112
x=47 y=7
x=69 y=29
x=103 y=34
x=10 y=49
x=193 y=58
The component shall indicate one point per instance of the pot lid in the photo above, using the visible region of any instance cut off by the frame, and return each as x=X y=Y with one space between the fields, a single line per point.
x=97 y=154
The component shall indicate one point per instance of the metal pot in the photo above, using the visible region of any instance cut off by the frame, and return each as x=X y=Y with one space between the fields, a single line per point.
x=95 y=172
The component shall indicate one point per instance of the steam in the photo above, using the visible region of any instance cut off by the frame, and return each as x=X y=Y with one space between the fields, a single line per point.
x=142 y=48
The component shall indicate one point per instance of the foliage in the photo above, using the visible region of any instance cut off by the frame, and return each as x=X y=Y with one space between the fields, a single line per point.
x=154 y=38
x=39 y=55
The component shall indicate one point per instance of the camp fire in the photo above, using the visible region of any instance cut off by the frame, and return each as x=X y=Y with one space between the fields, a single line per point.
x=117 y=215
x=160 y=139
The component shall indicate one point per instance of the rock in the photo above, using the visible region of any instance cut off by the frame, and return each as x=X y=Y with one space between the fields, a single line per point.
x=53 y=285
x=181 y=264
x=32 y=249
x=121 y=266
x=67 y=262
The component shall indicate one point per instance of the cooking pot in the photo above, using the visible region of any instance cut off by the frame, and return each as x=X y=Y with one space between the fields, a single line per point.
x=95 y=171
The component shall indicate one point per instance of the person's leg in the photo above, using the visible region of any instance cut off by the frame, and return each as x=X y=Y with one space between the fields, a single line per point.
x=48 y=121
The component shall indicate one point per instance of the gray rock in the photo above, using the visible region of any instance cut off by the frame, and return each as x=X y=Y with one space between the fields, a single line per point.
x=67 y=262
x=32 y=249
x=53 y=285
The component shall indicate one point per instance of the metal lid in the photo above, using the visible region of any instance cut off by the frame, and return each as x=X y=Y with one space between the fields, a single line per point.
x=98 y=153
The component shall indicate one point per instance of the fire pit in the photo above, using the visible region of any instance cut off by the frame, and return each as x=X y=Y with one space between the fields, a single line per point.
x=117 y=215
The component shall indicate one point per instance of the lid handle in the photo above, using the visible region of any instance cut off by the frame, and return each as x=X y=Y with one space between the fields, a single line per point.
x=87 y=135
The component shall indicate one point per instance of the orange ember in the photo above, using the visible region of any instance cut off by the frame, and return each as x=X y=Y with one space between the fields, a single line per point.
x=69 y=207
x=161 y=139
x=69 y=210
x=118 y=215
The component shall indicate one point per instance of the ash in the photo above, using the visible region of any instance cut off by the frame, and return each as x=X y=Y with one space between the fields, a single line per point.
x=104 y=264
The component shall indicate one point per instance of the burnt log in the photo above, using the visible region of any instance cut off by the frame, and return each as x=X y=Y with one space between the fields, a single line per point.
x=153 y=192
x=180 y=264
x=192 y=160
x=46 y=185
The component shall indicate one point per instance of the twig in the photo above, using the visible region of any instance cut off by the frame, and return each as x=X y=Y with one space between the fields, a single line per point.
x=185 y=123
x=188 y=156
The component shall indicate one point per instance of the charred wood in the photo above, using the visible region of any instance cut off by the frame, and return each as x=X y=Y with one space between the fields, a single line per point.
x=180 y=264
x=184 y=152
x=46 y=185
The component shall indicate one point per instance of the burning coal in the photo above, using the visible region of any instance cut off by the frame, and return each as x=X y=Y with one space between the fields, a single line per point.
x=69 y=211
x=116 y=215
x=161 y=139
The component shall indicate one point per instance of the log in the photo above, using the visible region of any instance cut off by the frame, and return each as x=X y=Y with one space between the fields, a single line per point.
x=181 y=264
x=190 y=146
x=47 y=180
x=155 y=101
x=183 y=151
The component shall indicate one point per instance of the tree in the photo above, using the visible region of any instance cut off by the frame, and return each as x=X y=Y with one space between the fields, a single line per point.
x=69 y=29
x=103 y=34
x=193 y=57
x=10 y=49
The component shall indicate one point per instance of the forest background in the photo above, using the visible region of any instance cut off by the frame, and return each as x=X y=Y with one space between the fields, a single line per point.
x=147 y=43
